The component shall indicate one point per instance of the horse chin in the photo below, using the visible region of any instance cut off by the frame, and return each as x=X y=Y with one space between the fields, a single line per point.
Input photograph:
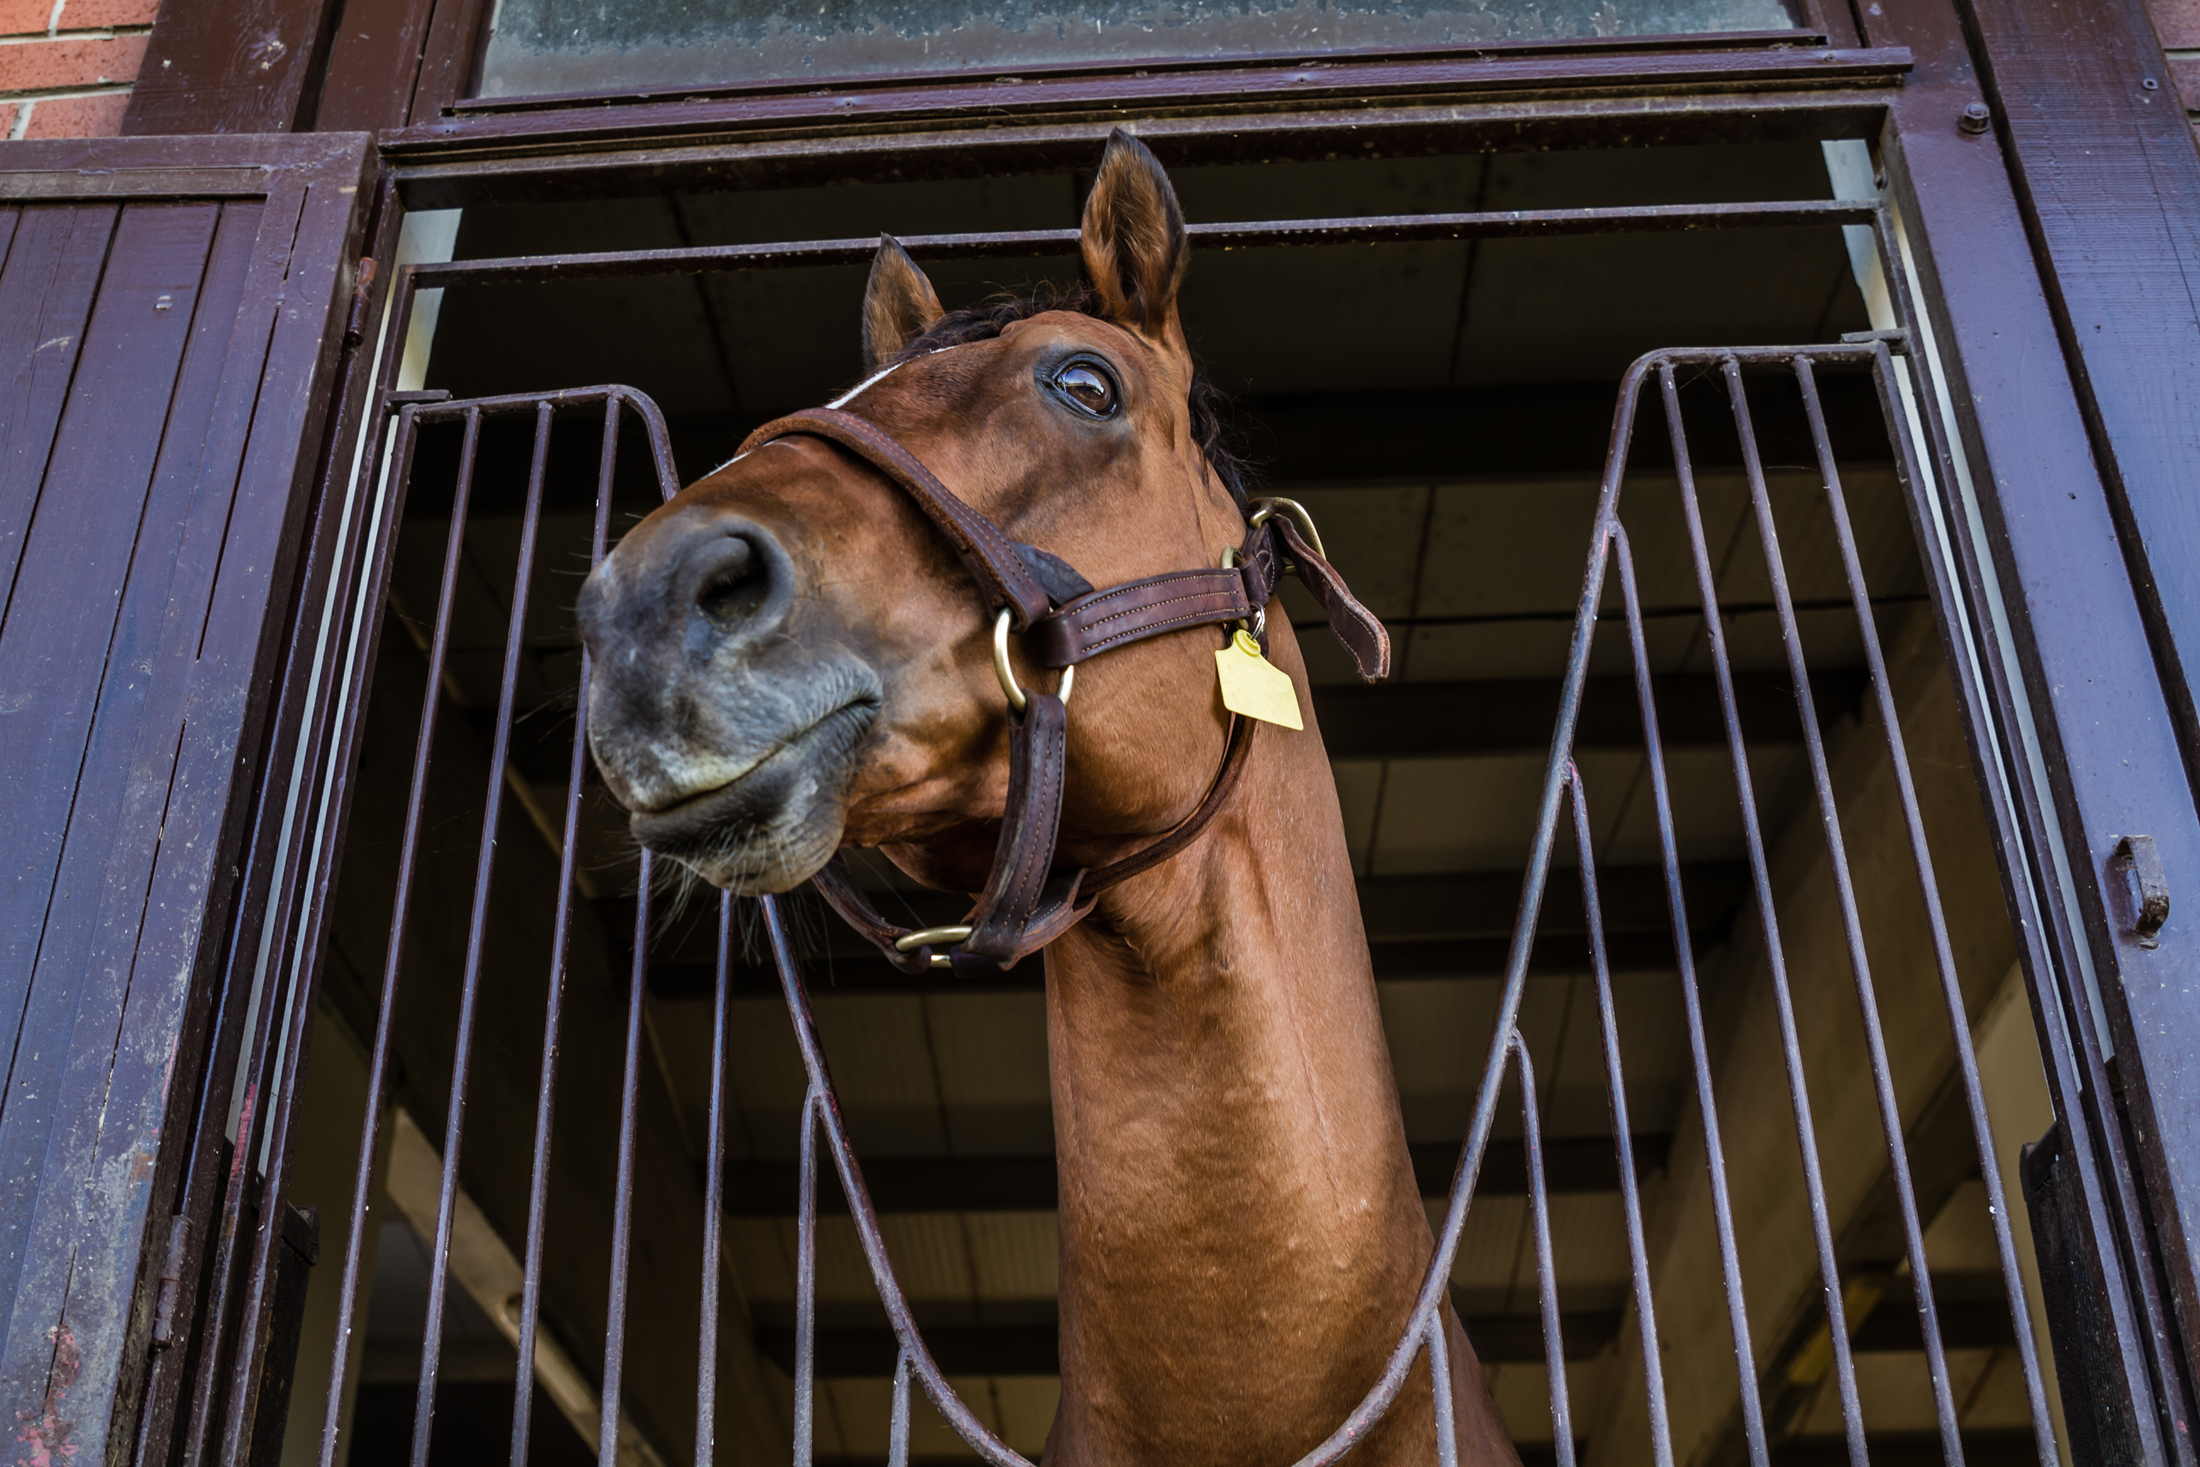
x=775 y=826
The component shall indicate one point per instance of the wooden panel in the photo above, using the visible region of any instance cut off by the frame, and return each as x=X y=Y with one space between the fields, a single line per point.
x=46 y=288
x=218 y=66
x=373 y=65
x=2107 y=169
x=151 y=592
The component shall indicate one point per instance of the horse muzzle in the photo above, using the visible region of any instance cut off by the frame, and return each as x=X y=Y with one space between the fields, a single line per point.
x=728 y=741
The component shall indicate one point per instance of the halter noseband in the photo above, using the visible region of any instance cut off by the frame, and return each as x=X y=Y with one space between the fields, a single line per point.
x=1026 y=904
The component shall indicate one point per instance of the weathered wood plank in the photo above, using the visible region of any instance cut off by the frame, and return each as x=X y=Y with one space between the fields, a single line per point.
x=46 y=291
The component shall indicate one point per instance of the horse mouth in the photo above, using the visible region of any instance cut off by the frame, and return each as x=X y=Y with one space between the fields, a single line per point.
x=752 y=831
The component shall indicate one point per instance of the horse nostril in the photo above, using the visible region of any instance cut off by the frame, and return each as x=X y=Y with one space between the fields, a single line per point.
x=734 y=582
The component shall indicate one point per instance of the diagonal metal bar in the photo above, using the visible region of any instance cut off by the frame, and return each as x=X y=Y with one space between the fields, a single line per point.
x=454 y=1126
x=714 y=1193
x=1638 y=1255
x=538 y=1181
x=1546 y=1271
x=1699 y=1049
x=1852 y=1411
x=622 y=1205
x=378 y=1064
x=1852 y=927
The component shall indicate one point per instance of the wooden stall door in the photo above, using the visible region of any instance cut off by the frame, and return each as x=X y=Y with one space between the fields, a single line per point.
x=170 y=314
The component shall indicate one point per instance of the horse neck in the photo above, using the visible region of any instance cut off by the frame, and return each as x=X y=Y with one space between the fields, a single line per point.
x=1225 y=1112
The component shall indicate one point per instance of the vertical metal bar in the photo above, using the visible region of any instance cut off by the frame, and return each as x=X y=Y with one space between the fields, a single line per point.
x=714 y=1191
x=1546 y=1270
x=1638 y=1254
x=538 y=1181
x=454 y=1126
x=1852 y=1411
x=897 y=1430
x=1997 y=1203
x=378 y=1064
x=805 y=1292
x=622 y=1202
x=1699 y=1048
x=820 y=1112
x=1852 y=925
x=1439 y=1379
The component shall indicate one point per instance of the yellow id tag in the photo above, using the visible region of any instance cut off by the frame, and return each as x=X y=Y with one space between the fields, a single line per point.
x=1255 y=688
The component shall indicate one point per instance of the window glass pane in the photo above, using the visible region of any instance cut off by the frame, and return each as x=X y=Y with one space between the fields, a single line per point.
x=539 y=47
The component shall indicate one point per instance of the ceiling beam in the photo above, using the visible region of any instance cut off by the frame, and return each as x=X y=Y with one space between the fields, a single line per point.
x=905 y=1184
x=1517 y=715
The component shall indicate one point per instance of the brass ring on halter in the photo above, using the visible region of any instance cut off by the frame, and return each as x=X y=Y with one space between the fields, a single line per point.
x=1265 y=510
x=1016 y=698
x=1232 y=557
x=932 y=937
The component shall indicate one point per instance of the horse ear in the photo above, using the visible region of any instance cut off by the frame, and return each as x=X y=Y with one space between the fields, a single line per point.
x=898 y=304
x=1133 y=237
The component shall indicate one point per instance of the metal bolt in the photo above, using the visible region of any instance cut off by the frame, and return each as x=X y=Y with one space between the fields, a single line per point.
x=1976 y=119
x=2150 y=84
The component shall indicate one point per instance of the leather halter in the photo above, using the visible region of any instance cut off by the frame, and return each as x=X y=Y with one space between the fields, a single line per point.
x=1026 y=903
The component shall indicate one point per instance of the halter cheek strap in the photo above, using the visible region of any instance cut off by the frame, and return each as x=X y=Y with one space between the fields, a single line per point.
x=1027 y=903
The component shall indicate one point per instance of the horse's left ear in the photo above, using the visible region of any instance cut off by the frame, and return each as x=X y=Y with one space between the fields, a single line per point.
x=1133 y=237
x=898 y=304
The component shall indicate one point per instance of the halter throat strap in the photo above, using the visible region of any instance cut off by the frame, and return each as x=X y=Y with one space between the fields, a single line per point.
x=1027 y=903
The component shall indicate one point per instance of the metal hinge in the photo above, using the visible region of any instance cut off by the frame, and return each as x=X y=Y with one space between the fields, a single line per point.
x=362 y=291
x=169 y=1300
x=2141 y=859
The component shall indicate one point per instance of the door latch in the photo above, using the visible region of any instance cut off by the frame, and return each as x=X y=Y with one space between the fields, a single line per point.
x=2140 y=861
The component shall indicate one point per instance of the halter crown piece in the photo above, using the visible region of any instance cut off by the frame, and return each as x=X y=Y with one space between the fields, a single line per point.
x=1027 y=903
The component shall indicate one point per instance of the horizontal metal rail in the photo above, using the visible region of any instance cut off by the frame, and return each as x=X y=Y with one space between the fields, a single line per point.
x=1256 y=234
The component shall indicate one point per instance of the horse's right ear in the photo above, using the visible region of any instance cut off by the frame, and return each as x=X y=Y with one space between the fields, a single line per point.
x=1133 y=237
x=898 y=304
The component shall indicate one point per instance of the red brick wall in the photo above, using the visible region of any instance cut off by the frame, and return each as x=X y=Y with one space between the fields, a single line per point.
x=66 y=65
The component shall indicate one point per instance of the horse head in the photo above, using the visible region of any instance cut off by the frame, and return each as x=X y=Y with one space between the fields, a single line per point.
x=788 y=657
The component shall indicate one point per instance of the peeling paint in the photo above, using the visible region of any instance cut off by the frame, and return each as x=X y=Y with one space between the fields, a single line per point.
x=44 y=1432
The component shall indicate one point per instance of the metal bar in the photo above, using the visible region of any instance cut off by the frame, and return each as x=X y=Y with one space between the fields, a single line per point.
x=1546 y=1271
x=1852 y=1411
x=1435 y=1282
x=538 y=1182
x=1852 y=927
x=454 y=1126
x=826 y=1113
x=1269 y=233
x=378 y=1064
x=1638 y=1253
x=714 y=1193
x=1699 y=1049
x=622 y=1202
x=805 y=1293
x=1439 y=1379
x=1997 y=1202
x=897 y=1430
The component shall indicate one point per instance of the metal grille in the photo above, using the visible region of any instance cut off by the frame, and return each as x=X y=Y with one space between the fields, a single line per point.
x=1655 y=380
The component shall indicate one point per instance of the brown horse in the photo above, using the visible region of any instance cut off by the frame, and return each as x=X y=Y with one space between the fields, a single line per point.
x=789 y=659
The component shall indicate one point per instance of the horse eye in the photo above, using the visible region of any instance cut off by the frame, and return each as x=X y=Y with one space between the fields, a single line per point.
x=1088 y=387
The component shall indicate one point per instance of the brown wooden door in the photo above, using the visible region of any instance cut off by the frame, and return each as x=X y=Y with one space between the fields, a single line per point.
x=170 y=314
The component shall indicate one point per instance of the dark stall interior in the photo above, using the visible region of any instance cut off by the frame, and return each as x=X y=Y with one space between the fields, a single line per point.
x=1443 y=410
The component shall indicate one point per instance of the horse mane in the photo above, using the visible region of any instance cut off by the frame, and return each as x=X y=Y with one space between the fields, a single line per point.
x=1210 y=428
